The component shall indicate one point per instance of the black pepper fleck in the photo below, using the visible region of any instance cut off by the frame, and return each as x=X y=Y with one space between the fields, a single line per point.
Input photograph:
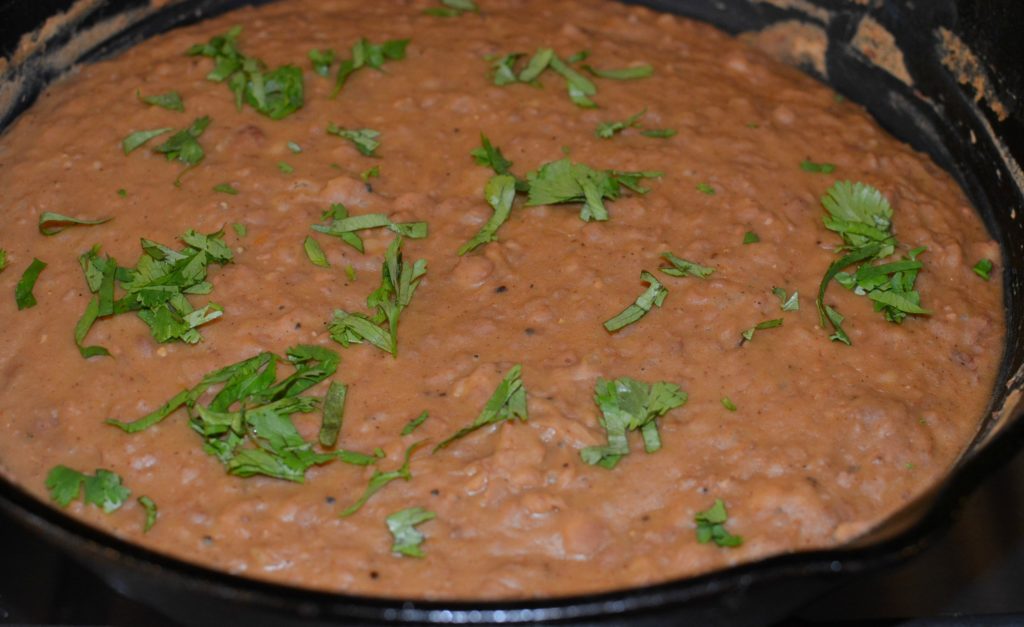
x=501 y=289
x=331 y=500
x=374 y=574
x=530 y=330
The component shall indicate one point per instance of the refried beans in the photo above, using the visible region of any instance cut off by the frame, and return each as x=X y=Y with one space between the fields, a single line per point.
x=806 y=440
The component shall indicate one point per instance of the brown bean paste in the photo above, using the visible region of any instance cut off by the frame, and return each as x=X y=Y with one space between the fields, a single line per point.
x=826 y=440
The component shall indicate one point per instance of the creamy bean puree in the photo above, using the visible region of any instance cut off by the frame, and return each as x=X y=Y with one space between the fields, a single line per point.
x=807 y=441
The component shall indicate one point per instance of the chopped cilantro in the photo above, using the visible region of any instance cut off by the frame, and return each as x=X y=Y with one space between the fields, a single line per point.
x=122 y=192
x=624 y=74
x=152 y=513
x=630 y=405
x=452 y=8
x=983 y=269
x=861 y=215
x=402 y=525
x=365 y=140
x=563 y=181
x=373 y=172
x=276 y=94
x=52 y=223
x=366 y=54
x=499 y=192
x=398 y=283
x=157 y=288
x=507 y=403
x=284 y=167
x=225 y=188
x=315 y=253
x=3 y=259
x=380 y=479
x=682 y=267
x=333 y=414
x=728 y=404
x=659 y=133
x=760 y=326
x=704 y=188
x=415 y=423
x=344 y=226
x=580 y=88
x=751 y=237
x=184 y=145
x=138 y=139
x=240 y=229
x=790 y=303
x=102 y=489
x=711 y=526
x=819 y=168
x=23 y=295
x=350 y=272
x=170 y=101
x=295 y=148
x=491 y=157
x=321 y=60
x=607 y=130
x=652 y=297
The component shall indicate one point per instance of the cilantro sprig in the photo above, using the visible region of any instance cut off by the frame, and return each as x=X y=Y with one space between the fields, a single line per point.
x=364 y=139
x=346 y=227
x=104 y=489
x=23 y=296
x=652 y=297
x=366 y=54
x=630 y=405
x=564 y=181
x=402 y=525
x=500 y=192
x=608 y=130
x=380 y=479
x=507 y=403
x=711 y=526
x=452 y=8
x=51 y=223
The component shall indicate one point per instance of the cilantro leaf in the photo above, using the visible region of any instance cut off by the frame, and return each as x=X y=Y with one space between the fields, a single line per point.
x=790 y=303
x=184 y=145
x=503 y=69
x=402 y=525
x=500 y=192
x=580 y=87
x=23 y=295
x=365 y=140
x=748 y=335
x=489 y=156
x=705 y=189
x=607 y=130
x=659 y=133
x=344 y=226
x=225 y=188
x=861 y=215
x=624 y=74
x=728 y=404
x=315 y=253
x=415 y=423
x=333 y=413
x=151 y=512
x=751 y=237
x=103 y=489
x=380 y=479
x=983 y=268
x=452 y=8
x=398 y=283
x=819 y=168
x=3 y=259
x=652 y=297
x=52 y=223
x=681 y=267
x=138 y=139
x=630 y=405
x=507 y=403
x=711 y=526
x=563 y=181
x=170 y=101
x=322 y=61
x=366 y=54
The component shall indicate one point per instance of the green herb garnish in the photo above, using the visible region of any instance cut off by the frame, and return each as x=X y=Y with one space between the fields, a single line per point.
x=402 y=526
x=23 y=295
x=630 y=405
x=295 y=148
x=370 y=173
x=507 y=403
x=580 y=88
x=624 y=74
x=52 y=223
x=365 y=139
x=704 y=188
x=333 y=414
x=3 y=259
x=452 y=8
x=345 y=227
x=152 y=513
x=275 y=94
x=983 y=269
x=285 y=168
x=170 y=101
x=682 y=267
x=751 y=237
x=184 y=145
x=659 y=133
x=489 y=156
x=652 y=297
x=819 y=168
x=787 y=303
x=138 y=139
x=607 y=130
x=748 y=335
x=563 y=181
x=322 y=61
x=728 y=404
x=499 y=192
x=102 y=489
x=380 y=479
x=366 y=54
x=315 y=253
x=225 y=188
x=415 y=423
x=398 y=283
x=122 y=192
x=711 y=526
x=240 y=229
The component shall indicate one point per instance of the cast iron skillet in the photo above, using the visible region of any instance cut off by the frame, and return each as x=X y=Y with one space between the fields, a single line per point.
x=937 y=114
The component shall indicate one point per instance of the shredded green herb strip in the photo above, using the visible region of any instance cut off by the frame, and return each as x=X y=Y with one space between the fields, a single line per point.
x=315 y=253
x=226 y=188
x=52 y=223
x=507 y=403
x=682 y=267
x=398 y=283
x=295 y=148
x=364 y=139
x=751 y=237
x=819 y=168
x=122 y=192
x=564 y=181
x=380 y=479
x=247 y=424
x=333 y=414
x=652 y=297
x=711 y=526
x=322 y=61
x=862 y=216
x=366 y=54
x=787 y=303
x=452 y=8
x=370 y=173
x=3 y=259
x=285 y=168
x=102 y=489
x=415 y=423
x=276 y=94
x=152 y=512
x=138 y=139
x=23 y=295
x=580 y=88
x=402 y=525
x=500 y=192
x=607 y=130
x=983 y=268
x=659 y=133
x=345 y=227
x=706 y=189
x=184 y=145
x=728 y=404
x=748 y=335
x=157 y=288
x=630 y=405
x=170 y=101
x=489 y=156
x=240 y=229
